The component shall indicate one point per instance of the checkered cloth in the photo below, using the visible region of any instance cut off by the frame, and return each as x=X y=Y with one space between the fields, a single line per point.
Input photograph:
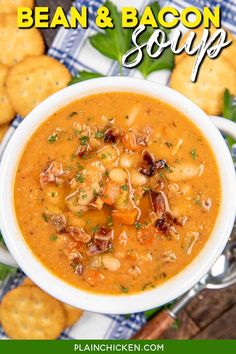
x=72 y=48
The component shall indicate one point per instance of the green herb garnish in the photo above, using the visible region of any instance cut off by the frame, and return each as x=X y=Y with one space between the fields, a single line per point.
x=83 y=140
x=165 y=60
x=95 y=228
x=194 y=154
x=45 y=217
x=125 y=187
x=53 y=138
x=138 y=226
x=79 y=177
x=197 y=200
x=110 y=221
x=169 y=144
x=99 y=135
x=229 y=112
x=53 y=237
x=124 y=289
x=113 y=42
x=72 y=114
x=83 y=76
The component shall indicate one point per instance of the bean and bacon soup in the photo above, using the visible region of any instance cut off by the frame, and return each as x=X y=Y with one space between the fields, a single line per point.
x=117 y=192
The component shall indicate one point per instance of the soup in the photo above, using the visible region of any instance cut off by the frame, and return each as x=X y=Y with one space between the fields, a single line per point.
x=117 y=192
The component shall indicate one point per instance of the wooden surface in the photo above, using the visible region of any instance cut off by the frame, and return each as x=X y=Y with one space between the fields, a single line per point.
x=212 y=315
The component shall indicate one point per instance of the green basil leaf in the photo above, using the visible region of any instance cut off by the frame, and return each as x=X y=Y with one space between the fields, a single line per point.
x=83 y=76
x=229 y=111
x=165 y=60
x=113 y=42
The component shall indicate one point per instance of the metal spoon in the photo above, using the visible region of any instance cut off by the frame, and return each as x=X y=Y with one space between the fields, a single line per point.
x=221 y=275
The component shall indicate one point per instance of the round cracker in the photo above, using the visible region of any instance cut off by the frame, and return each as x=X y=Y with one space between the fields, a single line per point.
x=3 y=130
x=228 y=53
x=208 y=90
x=27 y=282
x=15 y=43
x=29 y=313
x=10 y=6
x=72 y=314
x=33 y=80
x=6 y=110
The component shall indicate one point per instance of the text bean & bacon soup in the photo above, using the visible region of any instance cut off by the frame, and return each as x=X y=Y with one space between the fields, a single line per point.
x=117 y=192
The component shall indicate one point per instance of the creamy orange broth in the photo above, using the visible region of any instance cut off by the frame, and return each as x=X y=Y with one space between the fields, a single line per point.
x=120 y=215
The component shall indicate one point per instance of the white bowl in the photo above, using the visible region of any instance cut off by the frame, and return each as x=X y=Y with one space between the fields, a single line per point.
x=119 y=304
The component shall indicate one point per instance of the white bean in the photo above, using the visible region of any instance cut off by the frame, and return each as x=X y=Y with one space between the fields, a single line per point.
x=137 y=179
x=183 y=172
x=126 y=161
x=118 y=175
x=110 y=262
x=95 y=262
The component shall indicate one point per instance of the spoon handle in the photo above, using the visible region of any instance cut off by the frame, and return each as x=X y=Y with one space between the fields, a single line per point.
x=156 y=326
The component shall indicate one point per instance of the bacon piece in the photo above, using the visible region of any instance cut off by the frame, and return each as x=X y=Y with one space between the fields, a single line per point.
x=102 y=241
x=59 y=221
x=53 y=174
x=158 y=203
x=78 y=234
x=151 y=166
x=77 y=266
x=112 y=135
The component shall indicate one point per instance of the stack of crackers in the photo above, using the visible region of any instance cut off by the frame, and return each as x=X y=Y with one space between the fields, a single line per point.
x=27 y=312
x=27 y=76
x=214 y=77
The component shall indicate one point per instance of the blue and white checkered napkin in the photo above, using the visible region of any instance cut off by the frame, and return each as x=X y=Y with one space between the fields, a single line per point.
x=72 y=48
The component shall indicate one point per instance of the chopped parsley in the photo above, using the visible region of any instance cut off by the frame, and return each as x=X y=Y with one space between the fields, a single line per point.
x=138 y=226
x=45 y=217
x=147 y=285
x=95 y=228
x=160 y=174
x=125 y=187
x=95 y=194
x=83 y=140
x=73 y=157
x=79 y=166
x=197 y=200
x=79 y=177
x=169 y=144
x=53 y=237
x=103 y=156
x=53 y=138
x=99 y=135
x=194 y=154
x=110 y=221
x=124 y=289
x=53 y=194
x=72 y=114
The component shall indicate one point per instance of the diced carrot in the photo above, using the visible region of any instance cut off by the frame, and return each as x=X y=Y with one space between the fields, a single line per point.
x=111 y=193
x=129 y=141
x=93 y=276
x=126 y=217
x=147 y=235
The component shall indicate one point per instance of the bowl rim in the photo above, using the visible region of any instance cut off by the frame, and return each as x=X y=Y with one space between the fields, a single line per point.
x=124 y=303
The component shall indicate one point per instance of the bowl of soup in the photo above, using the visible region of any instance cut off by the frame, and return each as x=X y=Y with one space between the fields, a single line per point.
x=116 y=195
